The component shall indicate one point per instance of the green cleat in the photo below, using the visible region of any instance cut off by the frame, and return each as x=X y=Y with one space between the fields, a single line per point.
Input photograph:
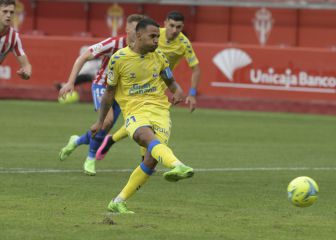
x=119 y=207
x=69 y=148
x=178 y=173
x=90 y=166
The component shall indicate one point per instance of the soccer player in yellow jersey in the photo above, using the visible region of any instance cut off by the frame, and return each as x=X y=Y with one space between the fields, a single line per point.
x=175 y=45
x=137 y=78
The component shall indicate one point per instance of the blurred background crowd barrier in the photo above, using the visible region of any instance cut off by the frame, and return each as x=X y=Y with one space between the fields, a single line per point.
x=263 y=55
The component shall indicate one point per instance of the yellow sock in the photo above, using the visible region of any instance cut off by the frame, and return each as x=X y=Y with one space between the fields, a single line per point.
x=120 y=134
x=164 y=155
x=136 y=180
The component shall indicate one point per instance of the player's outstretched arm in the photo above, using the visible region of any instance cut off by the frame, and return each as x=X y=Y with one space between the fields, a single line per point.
x=105 y=106
x=80 y=61
x=172 y=85
x=195 y=79
x=25 y=70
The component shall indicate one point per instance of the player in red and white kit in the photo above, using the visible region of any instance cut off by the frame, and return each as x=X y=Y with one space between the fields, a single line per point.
x=104 y=49
x=10 y=40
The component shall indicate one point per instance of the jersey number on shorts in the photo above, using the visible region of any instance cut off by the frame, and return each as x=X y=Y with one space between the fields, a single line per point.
x=128 y=120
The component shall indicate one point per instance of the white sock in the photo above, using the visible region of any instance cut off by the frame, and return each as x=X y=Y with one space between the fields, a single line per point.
x=118 y=199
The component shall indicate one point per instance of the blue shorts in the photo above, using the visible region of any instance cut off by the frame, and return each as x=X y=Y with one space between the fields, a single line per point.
x=97 y=94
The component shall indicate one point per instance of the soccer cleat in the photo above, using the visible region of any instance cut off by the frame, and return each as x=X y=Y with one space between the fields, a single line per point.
x=90 y=166
x=178 y=173
x=69 y=148
x=119 y=207
x=104 y=147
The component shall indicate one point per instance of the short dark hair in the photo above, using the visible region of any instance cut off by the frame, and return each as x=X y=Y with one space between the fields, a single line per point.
x=144 y=23
x=135 y=18
x=175 y=15
x=7 y=2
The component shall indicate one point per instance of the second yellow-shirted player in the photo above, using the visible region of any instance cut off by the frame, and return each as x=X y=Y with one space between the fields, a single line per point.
x=175 y=46
x=138 y=77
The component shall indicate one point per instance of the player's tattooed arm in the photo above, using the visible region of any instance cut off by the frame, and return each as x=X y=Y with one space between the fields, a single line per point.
x=169 y=80
x=105 y=105
x=172 y=85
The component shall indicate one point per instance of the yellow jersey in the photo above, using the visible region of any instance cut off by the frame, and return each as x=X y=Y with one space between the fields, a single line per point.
x=176 y=49
x=137 y=79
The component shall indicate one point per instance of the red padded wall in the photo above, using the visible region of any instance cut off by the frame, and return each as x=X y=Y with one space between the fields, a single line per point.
x=61 y=18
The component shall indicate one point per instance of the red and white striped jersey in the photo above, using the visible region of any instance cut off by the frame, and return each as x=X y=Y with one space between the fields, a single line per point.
x=10 y=41
x=106 y=49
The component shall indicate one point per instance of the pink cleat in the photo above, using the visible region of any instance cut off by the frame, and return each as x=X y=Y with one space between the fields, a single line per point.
x=104 y=147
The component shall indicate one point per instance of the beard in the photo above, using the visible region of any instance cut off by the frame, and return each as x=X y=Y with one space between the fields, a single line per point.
x=152 y=48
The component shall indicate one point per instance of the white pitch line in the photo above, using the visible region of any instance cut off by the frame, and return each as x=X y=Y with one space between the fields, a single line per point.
x=36 y=170
x=268 y=87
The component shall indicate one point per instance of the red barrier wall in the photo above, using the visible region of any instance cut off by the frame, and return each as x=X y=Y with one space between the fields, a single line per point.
x=305 y=74
x=212 y=24
x=52 y=59
x=249 y=76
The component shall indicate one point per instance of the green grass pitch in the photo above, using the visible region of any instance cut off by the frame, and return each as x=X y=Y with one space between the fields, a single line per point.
x=243 y=162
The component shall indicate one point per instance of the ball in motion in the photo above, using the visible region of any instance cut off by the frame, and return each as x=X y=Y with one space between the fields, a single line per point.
x=302 y=191
x=69 y=98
